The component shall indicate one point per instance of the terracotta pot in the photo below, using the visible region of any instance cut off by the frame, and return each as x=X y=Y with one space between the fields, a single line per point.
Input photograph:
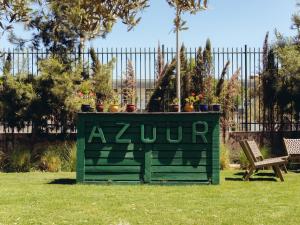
x=113 y=108
x=85 y=107
x=188 y=107
x=99 y=107
x=174 y=107
x=130 y=108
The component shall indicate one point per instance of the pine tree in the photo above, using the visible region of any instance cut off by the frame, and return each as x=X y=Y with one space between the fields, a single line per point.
x=129 y=85
x=198 y=78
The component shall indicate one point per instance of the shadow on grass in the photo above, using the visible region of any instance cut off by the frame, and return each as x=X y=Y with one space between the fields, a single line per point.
x=63 y=181
x=251 y=179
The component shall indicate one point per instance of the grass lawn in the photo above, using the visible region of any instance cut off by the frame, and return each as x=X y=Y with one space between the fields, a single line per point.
x=53 y=198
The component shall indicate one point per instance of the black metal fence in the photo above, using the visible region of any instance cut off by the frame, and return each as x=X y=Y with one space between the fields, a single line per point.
x=248 y=115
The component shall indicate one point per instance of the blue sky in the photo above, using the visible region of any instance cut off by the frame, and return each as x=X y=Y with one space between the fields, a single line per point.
x=228 y=23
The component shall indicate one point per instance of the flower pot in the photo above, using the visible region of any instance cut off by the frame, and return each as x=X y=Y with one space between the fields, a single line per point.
x=188 y=107
x=113 y=108
x=85 y=107
x=130 y=108
x=216 y=107
x=99 y=107
x=174 y=107
x=203 y=107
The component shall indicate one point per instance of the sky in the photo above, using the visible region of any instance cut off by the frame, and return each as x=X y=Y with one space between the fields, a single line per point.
x=228 y=23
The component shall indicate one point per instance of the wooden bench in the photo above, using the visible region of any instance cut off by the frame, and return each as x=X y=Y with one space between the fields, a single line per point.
x=256 y=160
x=292 y=147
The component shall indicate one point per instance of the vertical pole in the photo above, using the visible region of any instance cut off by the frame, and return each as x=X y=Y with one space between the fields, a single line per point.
x=178 y=63
x=246 y=87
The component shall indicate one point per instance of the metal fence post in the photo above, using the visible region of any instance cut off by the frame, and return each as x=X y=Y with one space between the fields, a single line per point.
x=246 y=87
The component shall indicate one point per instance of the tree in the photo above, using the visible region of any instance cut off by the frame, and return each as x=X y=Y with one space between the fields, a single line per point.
x=182 y=6
x=129 y=85
x=102 y=78
x=76 y=20
x=13 y=11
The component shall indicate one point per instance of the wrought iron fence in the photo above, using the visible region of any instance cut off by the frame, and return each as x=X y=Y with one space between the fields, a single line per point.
x=248 y=115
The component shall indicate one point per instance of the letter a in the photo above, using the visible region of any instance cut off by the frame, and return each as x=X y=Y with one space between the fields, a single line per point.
x=98 y=134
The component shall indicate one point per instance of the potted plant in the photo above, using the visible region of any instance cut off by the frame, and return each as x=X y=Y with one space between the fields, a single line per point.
x=85 y=97
x=203 y=106
x=129 y=88
x=99 y=106
x=189 y=103
x=215 y=105
x=174 y=107
x=102 y=80
x=114 y=106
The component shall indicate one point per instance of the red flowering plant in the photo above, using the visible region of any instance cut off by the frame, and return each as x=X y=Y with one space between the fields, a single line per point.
x=84 y=95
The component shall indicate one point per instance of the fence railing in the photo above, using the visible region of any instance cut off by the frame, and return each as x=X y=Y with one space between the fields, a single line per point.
x=248 y=115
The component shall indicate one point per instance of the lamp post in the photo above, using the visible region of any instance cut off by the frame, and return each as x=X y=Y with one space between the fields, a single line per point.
x=178 y=79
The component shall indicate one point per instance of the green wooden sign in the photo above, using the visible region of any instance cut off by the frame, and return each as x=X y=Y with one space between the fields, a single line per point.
x=148 y=147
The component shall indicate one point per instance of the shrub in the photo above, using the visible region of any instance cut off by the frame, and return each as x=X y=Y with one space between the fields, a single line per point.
x=58 y=157
x=3 y=160
x=243 y=160
x=20 y=160
x=50 y=160
x=224 y=157
x=68 y=156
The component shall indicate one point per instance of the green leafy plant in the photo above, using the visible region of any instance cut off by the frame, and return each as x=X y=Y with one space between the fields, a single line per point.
x=102 y=78
x=3 y=160
x=224 y=157
x=19 y=160
x=50 y=160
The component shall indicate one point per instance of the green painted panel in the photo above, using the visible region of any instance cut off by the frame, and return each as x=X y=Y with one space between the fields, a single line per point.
x=148 y=147
x=180 y=176
x=115 y=161
x=107 y=169
x=114 y=154
x=111 y=176
x=174 y=162
x=178 y=169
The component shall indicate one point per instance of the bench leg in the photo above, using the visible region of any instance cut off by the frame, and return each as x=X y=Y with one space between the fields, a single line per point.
x=278 y=172
x=249 y=173
x=284 y=168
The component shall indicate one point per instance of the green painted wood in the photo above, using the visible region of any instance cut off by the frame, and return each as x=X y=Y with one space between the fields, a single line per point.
x=113 y=169
x=120 y=152
x=80 y=151
x=111 y=162
x=114 y=154
x=215 y=170
x=112 y=177
x=179 y=169
x=180 y=176
x=181 y=162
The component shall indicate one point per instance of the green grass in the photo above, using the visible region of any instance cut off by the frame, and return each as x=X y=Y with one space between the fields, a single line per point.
x=29 y=198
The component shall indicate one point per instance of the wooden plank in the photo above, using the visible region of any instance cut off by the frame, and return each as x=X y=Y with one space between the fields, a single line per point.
x=116 y=162
x=115 y=154
x=180 y=176
x=80 y=151
x=179 y=169
x=113 y=169
x=139 y=147
x=111 y=177
x=136 y=139
x=181 y=162
x=148 y=164
x=215 y=171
